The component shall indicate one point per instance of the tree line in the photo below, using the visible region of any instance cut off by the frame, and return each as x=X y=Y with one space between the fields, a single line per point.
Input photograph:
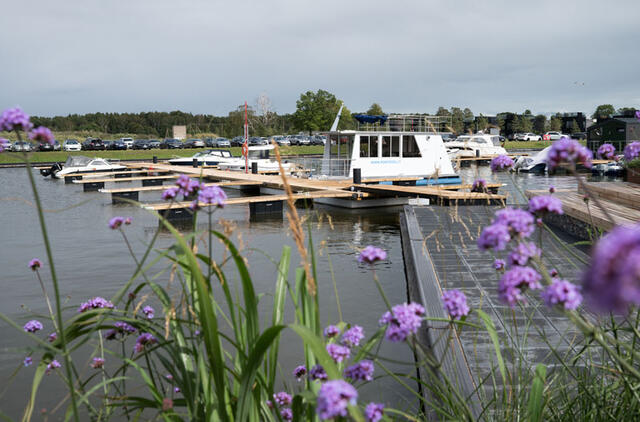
x=315 y=111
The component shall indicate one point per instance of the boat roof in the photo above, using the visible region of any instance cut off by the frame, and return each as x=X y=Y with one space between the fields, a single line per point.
x=261 y=147
x=77 y=160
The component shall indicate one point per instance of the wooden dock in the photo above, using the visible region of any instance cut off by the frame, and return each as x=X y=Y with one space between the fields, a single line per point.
x=126 y=179
x=440 y=196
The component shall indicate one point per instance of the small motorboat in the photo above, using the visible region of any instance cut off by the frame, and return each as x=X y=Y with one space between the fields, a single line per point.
x=535 y=164
x=256 y=154
x=478 y=145
x=612 y=169
x=210 y=157
x=80 y=164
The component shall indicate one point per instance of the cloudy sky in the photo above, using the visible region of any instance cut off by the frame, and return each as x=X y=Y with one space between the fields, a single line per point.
x=79 y=56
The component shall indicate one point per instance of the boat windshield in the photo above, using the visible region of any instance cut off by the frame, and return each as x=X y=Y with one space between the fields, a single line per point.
x=77 y=161
x=496 y=141
x=98 y=163
x=258 y=154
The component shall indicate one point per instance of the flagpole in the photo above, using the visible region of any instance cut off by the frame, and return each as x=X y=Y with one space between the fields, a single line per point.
x=245 y=147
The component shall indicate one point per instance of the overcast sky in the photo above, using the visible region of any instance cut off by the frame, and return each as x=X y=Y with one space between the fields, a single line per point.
x=80 y=56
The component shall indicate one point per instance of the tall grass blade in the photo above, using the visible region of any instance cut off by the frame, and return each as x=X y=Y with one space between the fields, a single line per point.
x=536 y=399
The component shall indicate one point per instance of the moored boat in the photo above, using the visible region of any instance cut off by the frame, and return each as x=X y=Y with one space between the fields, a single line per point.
x=80 y=164
x=210 y=157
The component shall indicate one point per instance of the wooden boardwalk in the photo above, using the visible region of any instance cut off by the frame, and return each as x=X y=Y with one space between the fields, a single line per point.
x=163 y=187
x=125 y=179
x=437 y=194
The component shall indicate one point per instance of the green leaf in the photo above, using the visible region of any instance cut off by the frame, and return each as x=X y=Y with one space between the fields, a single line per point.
x=491 y=329
x=278 y=308
x=536 y=399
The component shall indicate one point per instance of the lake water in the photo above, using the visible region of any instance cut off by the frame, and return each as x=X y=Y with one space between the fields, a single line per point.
x=92 y=260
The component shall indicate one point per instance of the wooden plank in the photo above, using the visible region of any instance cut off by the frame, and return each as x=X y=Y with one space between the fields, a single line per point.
x=109 y=173
x=127 y=179
x=428 y=191
x=164 y=187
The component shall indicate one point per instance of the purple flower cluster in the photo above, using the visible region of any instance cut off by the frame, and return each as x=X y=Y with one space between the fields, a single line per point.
x=212 y=195
x=170 y=193
x=35 y=263
x=121 y=327
x=545 y=204
x=514 y=283
x=300 y=372
x=455 y=303
x=95 y=303
x=563 y=293
x=632 y=151
x=331 y=331
x=97 y=363
x=638 y=114
x=353 y=336
x=374 y=412
x=519 y=222
x=52 y=337
x=501 y=162
x=287 y=414
x=522 y=253
x=187 y=186
x=148 y=311
x=282 y=398
x=607 y=151
x=51 y=366
x=403 y=320
x=4 y=143
x=495 y=236
x=371 y=254
x=28 y=361
x=33 y=326
x=338 y=352
x=143 y=340
x=499 y=264
x=116 y=222
x=361 y=371
x=612 y=282
x=42 y=134
x=14 y=119
x=334 y=398
x=479 y=185
x=317 y=373
x=566 y=150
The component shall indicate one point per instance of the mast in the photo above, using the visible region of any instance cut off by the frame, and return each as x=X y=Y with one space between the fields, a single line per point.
x=245 y=146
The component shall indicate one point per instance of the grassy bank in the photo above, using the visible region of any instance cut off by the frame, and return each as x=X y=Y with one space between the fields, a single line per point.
x=512 y=145
x=61 y=156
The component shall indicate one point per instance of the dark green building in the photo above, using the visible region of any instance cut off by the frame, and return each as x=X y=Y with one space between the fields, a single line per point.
x=617 y=130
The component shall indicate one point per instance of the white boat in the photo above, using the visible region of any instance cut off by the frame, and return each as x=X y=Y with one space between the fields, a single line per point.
x=478 y=145
x=80 y=164
x=257 y=154
x=535 y=164
x=210 y=157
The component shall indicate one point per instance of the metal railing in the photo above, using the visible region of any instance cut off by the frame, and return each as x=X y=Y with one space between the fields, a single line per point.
x=410 y=123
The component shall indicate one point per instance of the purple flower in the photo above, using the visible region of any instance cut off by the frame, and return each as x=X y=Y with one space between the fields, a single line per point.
x=334 y=398
x=167 y=404
x=632 y=151
x=371 y=254
x=32 y=326
x=300 y=372
x=353 y=336
x=269 y=404
x=212 y=195
x=186 y=185
x=402 y=321
x=331 y=331
x=116 y=222
x=52 y=337
x=563 y=293
x=318 y=373
x=95 y=303
x=169 y=377
x=148 y=311
x=195 y=206
x=455 y=303
x=374 y=411
x=42 y=134
x=519 y=222
x=35 y=263
x=28 y=361
x=552 y=189
x=128 y=221
x=337 y=352
x=499 y=264
x=495 y=236
x=121 y=327
x=361 y=371
x=612 y=282
x=170 y=193
x=143 y=340
x=97 y=363
x=4 y=144
x=176 y=390
x=522 y=253
x=53 y=365
x=14 y=119
x=566 y=150
x=282 y=398
x=479 y=185
x=553 y=273
x=501 y=162
x=638 y=114
x=607 y=151
x=287 y=414
x=545 y=203
x=514 y=282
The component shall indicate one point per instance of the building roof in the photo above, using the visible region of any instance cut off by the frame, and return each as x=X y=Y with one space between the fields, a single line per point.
x=625 y=120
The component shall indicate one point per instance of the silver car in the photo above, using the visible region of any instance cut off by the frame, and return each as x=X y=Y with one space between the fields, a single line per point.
x=22 y=146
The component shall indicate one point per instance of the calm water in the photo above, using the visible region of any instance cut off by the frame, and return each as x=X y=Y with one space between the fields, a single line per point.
x=92 y=260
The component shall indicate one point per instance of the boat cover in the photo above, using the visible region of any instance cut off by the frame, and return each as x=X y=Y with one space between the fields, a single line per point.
x=365 y=118
x=77 y=161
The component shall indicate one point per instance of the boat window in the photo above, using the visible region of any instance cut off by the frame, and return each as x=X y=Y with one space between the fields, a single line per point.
x=479 y=140
x=410 y=146
x=259 y=154
x=391 y=146
x=364 y=147
x=97 y=163
x=226 y=154
x=496 y=141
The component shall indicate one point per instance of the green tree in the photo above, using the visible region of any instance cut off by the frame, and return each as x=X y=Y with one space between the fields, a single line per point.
x=539 y=123
x=481 y=123
x=375 y=110
x=603 y=111
x=457 y=120
x=442 y=112
x=555 y=123
x=524 y=124
x=316 y=111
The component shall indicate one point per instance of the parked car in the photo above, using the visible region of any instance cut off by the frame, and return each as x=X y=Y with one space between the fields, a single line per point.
x=7 y=146
x=237 y=141
x=210 y=142
x=281 y=140
x=154 y=143
x=71 y=145
x=44 y=146
x=171 y=144
x=117 y=145
x=304 y=140
x=93 y=144
x=222 y=143
x=128 y=142
x=141 y=144
x=579 y=135
x=107 y=143
x=194 y=143
x=23 y=146
x=552 y=136
x=529 y=137
x=318 y=140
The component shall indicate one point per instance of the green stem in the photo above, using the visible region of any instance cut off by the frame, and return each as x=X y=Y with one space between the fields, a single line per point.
x=54 y=280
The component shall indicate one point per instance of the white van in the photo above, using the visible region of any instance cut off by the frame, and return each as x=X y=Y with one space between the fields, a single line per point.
x=128 y=142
